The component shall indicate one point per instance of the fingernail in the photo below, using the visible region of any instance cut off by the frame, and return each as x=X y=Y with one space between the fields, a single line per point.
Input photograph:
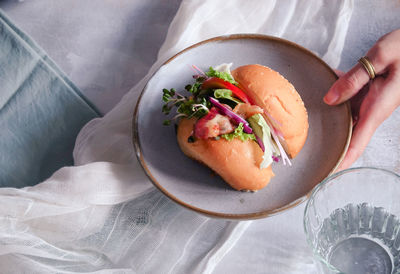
x=331 y=97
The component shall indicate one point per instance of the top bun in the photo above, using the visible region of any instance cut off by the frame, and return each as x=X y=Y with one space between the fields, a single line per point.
x=272 y=92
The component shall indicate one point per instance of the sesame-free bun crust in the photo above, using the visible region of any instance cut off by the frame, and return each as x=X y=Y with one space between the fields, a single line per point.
x=271 y=91
x=237 y=162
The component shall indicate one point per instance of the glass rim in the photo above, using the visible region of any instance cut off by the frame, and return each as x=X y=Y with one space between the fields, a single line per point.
x=320 y=186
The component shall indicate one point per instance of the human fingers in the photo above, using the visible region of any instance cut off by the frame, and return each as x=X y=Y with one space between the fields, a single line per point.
x=383 y=54
x=356 y=101
x=339 y=72
x=362 y=134
x=379 y=103
x=351 y=82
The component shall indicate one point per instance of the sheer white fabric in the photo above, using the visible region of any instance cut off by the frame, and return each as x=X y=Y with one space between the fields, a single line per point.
x=105 y=216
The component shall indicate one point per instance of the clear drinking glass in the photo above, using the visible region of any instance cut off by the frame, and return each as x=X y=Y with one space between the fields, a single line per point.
x=352 y=222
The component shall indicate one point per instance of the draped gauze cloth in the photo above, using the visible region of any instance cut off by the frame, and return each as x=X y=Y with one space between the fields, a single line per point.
x=104 y=215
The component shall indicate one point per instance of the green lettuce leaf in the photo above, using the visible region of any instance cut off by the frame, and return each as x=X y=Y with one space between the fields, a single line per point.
x=226 y=76
x=262 y=130
x=238 y=133
x=225 y=94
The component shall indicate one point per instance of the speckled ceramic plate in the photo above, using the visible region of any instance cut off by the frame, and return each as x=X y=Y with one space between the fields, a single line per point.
x=193 y=185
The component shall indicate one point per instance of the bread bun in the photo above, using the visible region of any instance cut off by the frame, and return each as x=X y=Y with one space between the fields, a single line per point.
x=237 y=162
x=272 y=92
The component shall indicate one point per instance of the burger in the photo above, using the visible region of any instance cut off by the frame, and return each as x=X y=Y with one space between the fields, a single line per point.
x=239 y=122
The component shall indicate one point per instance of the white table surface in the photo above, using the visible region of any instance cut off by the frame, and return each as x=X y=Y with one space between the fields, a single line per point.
x=105 y=47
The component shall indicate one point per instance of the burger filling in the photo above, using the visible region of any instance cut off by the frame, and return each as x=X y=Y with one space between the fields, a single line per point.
x=213 y=125
x=223 y=110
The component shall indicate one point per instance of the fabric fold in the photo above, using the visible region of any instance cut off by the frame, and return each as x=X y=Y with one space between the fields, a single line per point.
x=36 y=99
x=110 y=216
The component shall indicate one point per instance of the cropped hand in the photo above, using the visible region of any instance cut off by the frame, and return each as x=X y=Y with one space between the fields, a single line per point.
x=374 y=100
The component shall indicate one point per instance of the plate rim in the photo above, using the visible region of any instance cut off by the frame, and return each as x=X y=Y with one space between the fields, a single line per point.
x=231 y=216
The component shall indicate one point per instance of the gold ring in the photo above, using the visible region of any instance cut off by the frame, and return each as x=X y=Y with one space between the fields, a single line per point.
x=368 y=66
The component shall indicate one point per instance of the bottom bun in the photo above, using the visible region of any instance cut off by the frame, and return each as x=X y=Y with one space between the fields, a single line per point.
x=237 y=162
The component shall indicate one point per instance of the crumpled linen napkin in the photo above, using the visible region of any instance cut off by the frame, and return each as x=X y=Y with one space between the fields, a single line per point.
x=105 y=215
x=38 y=130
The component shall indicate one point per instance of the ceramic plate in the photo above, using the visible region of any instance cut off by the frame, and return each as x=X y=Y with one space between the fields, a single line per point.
x=195 y=186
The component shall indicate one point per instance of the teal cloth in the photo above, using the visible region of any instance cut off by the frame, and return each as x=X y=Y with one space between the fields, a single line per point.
x=41 y=111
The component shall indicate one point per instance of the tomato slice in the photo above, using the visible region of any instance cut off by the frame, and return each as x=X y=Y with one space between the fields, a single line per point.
x=215 y=82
